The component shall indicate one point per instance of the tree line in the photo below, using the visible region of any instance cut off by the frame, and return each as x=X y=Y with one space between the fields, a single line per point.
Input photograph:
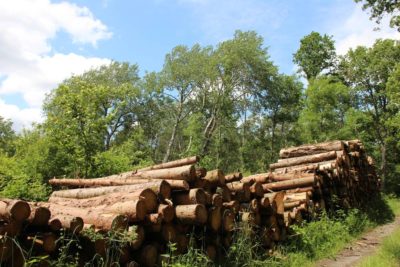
x=228 y=103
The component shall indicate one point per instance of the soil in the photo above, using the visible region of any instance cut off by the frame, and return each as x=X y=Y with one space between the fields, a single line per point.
x=363 y=247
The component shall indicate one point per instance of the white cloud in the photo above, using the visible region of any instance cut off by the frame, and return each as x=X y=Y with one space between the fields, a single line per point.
x=357 y=30
x=29 y=66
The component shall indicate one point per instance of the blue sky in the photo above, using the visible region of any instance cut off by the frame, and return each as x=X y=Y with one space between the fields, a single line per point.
x=43 y=42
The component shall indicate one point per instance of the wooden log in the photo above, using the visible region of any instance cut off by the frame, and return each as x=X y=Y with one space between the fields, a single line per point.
x=139 y=237
x=201 y=172
x=106 y=221
x=182 y=243
x=228 y=220
x=5 y=248
x=211 y=252
x=215 y=177
x=260 y=177
x=187 y=173
x=16 y=210
x=276 y=177
x=239 y=187
x=217 y=200
x=257 y=190
x=232 y=205
x=214 y=218
x=10 y=229
x=276 y=200
x=304 y=159
x=168 y=233
x=171 y=164
x=152 y=222
x=167 y=211
x=194 y=196
x=290 y=184
x=191 y=214
x=109 y=200
x=224 y=192
x=46 y=241
x=39 y=216
x=233 y=177
x=160 y=187
x=148 y=256
x=311 y=149
x=308 y=167
x=202 y=183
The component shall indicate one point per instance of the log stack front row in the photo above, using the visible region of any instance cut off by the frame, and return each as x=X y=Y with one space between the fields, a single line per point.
x=172 y=202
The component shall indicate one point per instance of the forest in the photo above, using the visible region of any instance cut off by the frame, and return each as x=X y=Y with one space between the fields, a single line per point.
x=228 y=103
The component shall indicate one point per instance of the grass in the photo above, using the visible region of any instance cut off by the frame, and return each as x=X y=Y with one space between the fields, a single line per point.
x=388 y=255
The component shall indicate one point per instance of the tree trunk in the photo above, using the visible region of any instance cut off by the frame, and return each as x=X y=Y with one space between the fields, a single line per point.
x=191 y=214
x=215 y=177
x=159 y=187
x=147 y=195
x=194 y=196
x=302 y=160
x=11 y=209
x=105 y=221
x=172 y=139
x=172 y=164
x=290 y=184
x=311 y=149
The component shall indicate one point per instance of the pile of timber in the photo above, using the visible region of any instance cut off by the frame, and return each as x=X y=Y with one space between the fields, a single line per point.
x=176 y=201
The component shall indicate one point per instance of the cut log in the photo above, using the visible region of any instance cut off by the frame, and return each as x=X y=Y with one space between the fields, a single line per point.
x=311 y=149
x=159 y=187
x=232 y=205
x=187 y=173
x=148 y=256
x=147 y=195
x=194 y=196
x=302 y=160
x=72 y=223
x=260 y=177
x=215 y=177
x=106 y=221
x=276 y=177
x=167 y=211
x=201 y=172
x=233 y=177
x=228 y=220
x=139 y=237
x=290 y=184
x=217 y=200
x=39 y=216
x=6 y=244
x=171 y=164
x=257 y=190
x=224 y=192
x=16 y=210
x=191 y=214
x=168 y=233
x=214 y=218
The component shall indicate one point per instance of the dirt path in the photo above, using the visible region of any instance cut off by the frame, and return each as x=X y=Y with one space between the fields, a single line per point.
x=361 y=248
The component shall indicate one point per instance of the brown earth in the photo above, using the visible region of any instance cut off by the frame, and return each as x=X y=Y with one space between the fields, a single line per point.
x=363 y=247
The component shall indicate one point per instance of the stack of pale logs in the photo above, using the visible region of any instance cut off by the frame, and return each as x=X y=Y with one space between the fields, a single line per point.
x=175 y=202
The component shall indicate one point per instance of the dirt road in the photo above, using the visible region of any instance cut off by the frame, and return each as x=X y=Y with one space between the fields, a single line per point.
x=361 y=248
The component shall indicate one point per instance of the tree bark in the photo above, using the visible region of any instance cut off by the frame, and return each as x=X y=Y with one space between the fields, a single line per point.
x=147 y=195
x=311 y=149
x=215 y=177
x=290 y=184
x=11 y=209
x=172 y=164
x=304 y=159
x=194 y=196
x=191 y=214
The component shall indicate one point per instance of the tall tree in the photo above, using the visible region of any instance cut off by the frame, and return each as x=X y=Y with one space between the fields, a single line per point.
x=86 y=113
x=324 y=114
x=380 y=8
x=315 y=55
x=367 y=71
x=7 y=136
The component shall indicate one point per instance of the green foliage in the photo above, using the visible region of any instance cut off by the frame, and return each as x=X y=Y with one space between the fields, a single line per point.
x=315 y=55
x=325 y=108
x=7 y=136
x=379 y=8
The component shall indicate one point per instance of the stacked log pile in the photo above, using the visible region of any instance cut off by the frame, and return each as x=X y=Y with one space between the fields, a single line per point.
x=172 y=202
